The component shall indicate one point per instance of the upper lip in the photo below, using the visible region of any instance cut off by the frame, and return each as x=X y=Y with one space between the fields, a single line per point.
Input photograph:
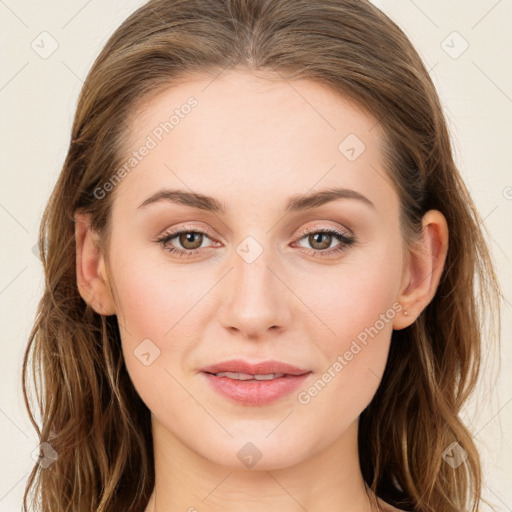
x=262 y=368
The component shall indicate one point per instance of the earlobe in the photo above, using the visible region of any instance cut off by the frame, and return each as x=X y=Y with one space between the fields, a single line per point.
x=424 y=269
x=92 y=279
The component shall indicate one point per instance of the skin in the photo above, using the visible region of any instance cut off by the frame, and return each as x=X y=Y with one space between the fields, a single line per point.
x=252 y=143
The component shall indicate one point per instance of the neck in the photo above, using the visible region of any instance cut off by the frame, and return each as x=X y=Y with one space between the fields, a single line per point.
x=328 y=481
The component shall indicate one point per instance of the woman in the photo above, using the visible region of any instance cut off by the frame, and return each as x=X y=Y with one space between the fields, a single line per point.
x=202 y=346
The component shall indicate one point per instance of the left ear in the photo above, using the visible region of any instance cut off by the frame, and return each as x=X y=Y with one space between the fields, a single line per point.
x=423 y=272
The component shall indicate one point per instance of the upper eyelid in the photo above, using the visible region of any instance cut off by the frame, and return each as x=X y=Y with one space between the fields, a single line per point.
x=185 y=229
x=313 y=229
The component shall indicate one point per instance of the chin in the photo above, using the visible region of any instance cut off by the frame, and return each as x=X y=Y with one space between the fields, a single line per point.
x=256 y=453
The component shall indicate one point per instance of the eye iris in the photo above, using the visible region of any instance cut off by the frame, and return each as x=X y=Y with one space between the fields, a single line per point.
x=188 y=237
x=324 y=245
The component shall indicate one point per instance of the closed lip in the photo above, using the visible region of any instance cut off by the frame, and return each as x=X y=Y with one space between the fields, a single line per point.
x=261 y=368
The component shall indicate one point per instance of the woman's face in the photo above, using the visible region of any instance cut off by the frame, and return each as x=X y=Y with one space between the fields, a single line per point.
x=257 y=278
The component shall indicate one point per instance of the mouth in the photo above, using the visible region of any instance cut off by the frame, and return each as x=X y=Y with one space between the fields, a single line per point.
x=246 y=376
x=254 y=384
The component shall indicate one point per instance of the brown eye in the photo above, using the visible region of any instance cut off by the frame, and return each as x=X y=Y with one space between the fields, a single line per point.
x=190 y=239
x=320 y=240
x=185 y=242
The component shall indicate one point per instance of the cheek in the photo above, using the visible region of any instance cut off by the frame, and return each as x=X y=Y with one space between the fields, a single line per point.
x=161 y=312
x=358 y=305
x=152 y=298
x=355 y=295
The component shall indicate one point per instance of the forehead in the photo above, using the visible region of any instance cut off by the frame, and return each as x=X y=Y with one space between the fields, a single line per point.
x=252 y=133
x=244 y=104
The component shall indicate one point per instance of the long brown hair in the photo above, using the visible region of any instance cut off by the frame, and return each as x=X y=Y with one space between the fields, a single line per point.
x=92 y=416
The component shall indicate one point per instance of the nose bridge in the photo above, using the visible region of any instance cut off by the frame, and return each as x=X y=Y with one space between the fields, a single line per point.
x=252 y=276
x=254 y=296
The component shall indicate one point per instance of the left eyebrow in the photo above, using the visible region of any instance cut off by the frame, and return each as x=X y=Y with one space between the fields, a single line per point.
x=296 y=203
x=302 y=202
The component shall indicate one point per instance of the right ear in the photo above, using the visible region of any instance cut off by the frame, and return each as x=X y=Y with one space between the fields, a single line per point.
x=91 y=275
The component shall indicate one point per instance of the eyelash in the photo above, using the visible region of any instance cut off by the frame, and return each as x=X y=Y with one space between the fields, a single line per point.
x=345 y=240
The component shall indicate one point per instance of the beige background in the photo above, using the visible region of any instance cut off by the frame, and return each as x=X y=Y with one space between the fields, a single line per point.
x=471 y=69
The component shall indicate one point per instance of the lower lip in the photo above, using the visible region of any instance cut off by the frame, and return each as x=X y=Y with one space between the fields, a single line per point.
x=256 y=392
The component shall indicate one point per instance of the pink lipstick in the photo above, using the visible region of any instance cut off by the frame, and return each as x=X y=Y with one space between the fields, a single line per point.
x=254 y=384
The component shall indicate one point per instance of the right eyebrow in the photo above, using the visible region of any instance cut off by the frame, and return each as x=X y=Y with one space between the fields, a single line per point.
x=192 y=199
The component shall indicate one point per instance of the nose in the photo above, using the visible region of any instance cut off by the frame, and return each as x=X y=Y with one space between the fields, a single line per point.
x=255 y=299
